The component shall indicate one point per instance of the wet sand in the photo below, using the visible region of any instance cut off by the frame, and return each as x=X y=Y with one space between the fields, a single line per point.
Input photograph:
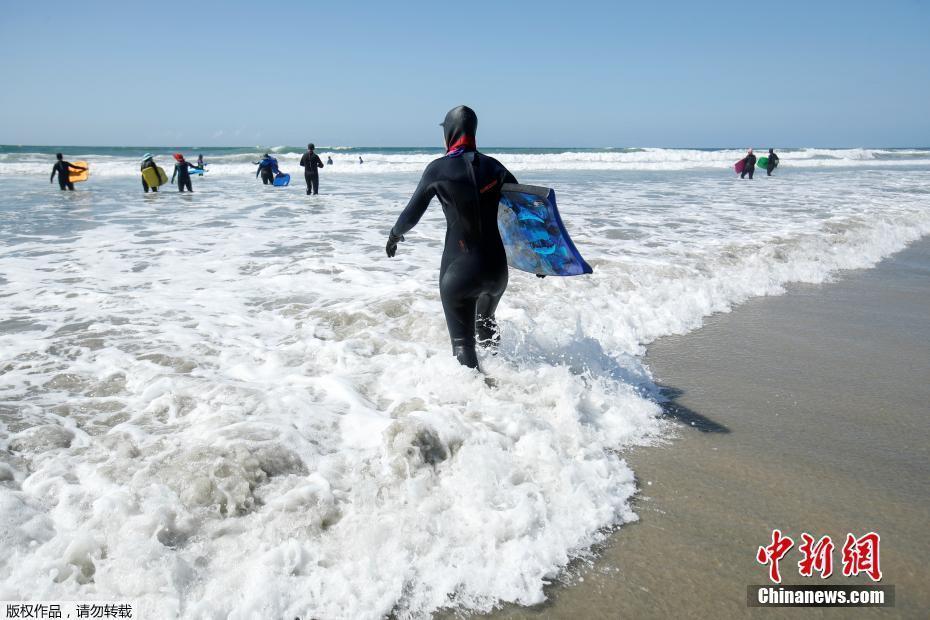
x=808 y=412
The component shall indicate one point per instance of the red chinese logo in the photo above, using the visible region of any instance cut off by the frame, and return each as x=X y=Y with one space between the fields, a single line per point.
x=817 y=557
x=773 y=553
x=860 y=555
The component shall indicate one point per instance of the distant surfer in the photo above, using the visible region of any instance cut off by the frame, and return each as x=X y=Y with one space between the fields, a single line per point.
x=182 y=170
x=62 y=168
x=360 y=161
x=200 y=163
x=773 y=161
x=749 y=165
x=329 y=160
x=268 y=168
x=148 y=161
x=473 y=272
x=311 y=164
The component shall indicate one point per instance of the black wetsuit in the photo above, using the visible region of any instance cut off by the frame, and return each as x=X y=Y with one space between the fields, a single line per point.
x=148 y=163
x=749 y=166
x=773 y=161
x=267 y=168
x=182 y=171
x=473 y=272
x=311 y=163
x=62 y=167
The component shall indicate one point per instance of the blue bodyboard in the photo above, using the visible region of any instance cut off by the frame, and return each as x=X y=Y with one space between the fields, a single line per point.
x=282 y=179
x=533 y=233
x=196 y=171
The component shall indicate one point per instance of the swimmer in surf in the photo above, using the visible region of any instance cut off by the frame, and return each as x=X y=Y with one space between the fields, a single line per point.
x=773 y=161
x=62 y=168
x=268 y=168
x=473 y=272
x=749 y=165
x=148 y=161
x=182 y=170
x=311 y=164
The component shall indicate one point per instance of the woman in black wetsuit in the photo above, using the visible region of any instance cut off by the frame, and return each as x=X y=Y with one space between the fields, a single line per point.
x=473 y=272
x=182 y=170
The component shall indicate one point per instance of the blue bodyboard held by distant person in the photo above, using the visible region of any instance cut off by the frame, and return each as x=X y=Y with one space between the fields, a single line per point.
x=199 y=171
x=533 y=233
x=282 y=179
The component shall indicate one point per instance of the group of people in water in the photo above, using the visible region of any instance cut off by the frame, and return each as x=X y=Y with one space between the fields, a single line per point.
x=309 y=161
x=473 y=272
x=267 y=170
x=749 y=164
x=182 y=171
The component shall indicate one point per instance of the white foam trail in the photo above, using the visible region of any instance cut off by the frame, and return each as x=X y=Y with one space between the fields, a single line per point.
x=231 y=404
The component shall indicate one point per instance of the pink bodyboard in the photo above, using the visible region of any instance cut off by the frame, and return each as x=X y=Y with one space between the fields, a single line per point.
x=738 y=166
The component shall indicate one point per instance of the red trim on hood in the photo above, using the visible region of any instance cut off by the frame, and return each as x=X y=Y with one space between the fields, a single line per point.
x=465 y=142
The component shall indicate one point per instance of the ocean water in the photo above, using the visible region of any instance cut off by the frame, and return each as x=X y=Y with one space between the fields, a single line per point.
x=231 y=404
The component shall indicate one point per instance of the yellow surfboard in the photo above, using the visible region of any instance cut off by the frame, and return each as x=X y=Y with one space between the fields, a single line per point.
x=76 y=176
x=155 y=177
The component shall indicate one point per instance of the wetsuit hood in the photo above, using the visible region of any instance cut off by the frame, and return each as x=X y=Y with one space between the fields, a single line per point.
x=147 y=157
x=459 y=128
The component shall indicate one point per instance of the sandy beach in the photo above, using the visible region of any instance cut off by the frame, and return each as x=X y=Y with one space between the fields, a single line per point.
x=805 y=412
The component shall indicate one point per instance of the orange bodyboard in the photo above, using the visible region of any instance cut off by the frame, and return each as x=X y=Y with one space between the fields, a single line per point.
x=76 y=176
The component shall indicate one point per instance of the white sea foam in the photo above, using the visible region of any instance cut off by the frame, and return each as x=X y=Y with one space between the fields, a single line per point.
x=379 y=162
x=231 y=404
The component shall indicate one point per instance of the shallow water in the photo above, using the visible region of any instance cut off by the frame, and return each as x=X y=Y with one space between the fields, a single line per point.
x=231 y=402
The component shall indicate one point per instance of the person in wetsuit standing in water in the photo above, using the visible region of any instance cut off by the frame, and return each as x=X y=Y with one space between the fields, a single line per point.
x=148 y=161
x=772 y=163
x=311 y=164
x=473 y=273
x=749 y=165
x=268 y=168
x=182 y=172
x=62 y=168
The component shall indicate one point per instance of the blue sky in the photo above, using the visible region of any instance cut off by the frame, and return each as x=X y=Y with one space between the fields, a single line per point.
x=538 y=73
